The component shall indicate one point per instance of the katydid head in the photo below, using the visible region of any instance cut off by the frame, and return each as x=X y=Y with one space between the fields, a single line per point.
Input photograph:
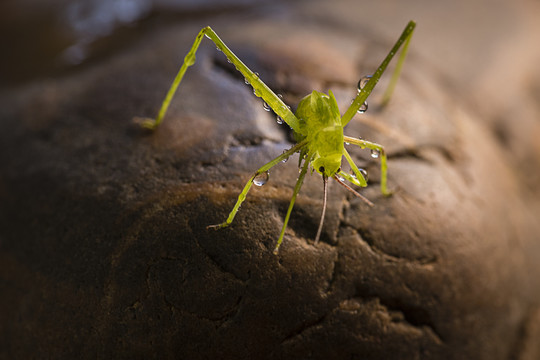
x=327 y=165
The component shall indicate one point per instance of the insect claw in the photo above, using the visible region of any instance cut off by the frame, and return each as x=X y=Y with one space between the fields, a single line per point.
x=147 y=123
x=217 y=226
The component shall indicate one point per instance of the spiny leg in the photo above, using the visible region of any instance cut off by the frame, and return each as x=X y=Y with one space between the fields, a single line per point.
x=248 y=185
x=260 y=88
x=291 y=204
x=382 y=154
x=368 y=87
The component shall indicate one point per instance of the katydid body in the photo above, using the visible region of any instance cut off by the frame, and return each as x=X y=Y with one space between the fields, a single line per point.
x=317 y=126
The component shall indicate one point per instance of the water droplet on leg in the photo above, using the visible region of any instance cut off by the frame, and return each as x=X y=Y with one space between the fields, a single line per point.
x=363 y=108
x=261 y=178
x=285 y=160
x=375 y=153
x=364 y=173
x=266 y=107
x=362 y=82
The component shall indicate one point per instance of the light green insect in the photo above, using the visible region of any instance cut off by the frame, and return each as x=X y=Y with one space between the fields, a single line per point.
x=317 y=126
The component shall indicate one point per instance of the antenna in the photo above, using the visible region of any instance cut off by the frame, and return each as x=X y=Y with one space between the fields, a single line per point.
x=353 y=191
x=325 y=191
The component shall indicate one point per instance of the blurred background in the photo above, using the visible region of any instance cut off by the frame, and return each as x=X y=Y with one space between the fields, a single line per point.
x=42 y=38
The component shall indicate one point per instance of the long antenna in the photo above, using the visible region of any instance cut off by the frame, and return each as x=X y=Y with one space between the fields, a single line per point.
x=353 y=191
x=325 y=191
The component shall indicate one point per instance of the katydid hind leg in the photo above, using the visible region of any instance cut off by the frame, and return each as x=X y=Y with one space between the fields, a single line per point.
x=397 y=71
x=365 y=91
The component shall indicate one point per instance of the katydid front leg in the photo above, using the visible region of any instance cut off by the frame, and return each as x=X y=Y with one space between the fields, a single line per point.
x=259 y=87
x=379 y=149
x=248 y=185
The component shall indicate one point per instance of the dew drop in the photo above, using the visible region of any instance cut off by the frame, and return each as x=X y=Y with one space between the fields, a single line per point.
x=246 y=81
x=256 y=75
x=218 y=49
x=341 y=178
x=266 y=107
x=285 y=160
x=364 y=173
x=279 y=120
x=261 y=178
x=362 y=82
x=346 y=143
x=363 y=108
x=280 y=96
x=375 y=153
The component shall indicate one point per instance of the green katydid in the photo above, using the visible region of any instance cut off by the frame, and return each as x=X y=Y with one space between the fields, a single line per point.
x=317 y=126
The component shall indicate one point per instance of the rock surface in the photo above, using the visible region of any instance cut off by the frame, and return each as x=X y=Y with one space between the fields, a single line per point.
x=104 y=250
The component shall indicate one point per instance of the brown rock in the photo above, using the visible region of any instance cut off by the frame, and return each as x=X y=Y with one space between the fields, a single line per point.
x=104 y=250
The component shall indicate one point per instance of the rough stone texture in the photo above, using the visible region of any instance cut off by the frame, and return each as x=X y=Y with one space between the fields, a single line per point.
x=104 y=250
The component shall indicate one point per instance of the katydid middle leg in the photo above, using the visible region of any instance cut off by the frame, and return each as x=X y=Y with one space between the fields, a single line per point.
x=297 y=187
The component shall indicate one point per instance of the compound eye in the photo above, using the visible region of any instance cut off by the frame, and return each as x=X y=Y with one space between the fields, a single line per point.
x=321 y=169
